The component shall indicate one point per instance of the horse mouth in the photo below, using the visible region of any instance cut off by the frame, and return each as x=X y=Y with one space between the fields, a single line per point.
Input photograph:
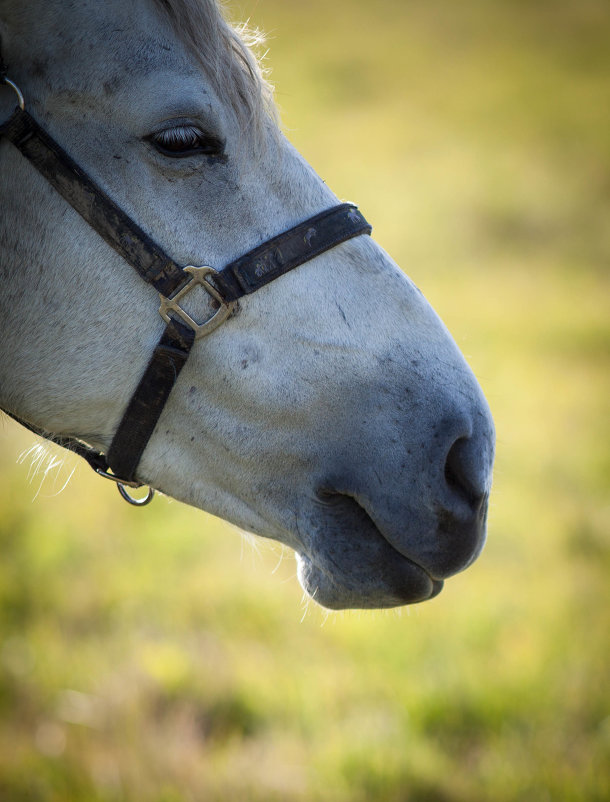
x=348 y=563
x=335 y=593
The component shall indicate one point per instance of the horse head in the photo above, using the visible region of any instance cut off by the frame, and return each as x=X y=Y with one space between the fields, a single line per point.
x=332 y=411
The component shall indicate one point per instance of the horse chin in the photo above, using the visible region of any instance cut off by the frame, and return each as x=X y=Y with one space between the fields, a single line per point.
x=348 y=563
x=393 y=585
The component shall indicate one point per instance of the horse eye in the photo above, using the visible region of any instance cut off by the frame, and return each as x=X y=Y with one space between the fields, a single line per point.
x=186 y=140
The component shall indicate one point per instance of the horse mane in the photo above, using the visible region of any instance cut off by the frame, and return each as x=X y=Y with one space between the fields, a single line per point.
x=227 y=54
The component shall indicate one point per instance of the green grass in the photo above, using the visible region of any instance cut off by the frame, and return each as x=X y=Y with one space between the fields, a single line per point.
x=151 y=656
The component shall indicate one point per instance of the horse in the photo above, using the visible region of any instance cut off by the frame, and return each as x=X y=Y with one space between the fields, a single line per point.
x=332 y=411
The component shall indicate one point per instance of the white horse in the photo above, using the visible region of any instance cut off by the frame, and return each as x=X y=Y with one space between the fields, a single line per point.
x=333 y=412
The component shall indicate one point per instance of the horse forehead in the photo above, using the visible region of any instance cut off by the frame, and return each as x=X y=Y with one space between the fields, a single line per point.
x=85 y=39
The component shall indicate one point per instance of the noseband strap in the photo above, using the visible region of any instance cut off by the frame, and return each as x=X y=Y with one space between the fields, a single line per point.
x=241 y=277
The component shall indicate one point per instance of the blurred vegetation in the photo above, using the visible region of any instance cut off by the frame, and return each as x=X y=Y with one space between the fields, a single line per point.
x=153 y=656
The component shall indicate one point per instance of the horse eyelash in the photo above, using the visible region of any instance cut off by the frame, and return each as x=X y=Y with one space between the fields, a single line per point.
x=186 y=140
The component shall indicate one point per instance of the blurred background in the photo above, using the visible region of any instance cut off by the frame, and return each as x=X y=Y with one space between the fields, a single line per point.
x=154 y=655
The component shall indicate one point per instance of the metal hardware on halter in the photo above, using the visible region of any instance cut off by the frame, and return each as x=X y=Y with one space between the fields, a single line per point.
x=198 y=276
x=15 y=88
x=136 y=502
x=122 y=488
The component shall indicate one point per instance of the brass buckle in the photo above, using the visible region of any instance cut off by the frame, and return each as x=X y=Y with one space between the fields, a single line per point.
x=198 y=276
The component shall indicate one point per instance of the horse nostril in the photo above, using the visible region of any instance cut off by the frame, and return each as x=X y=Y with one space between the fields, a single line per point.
x=463 y=472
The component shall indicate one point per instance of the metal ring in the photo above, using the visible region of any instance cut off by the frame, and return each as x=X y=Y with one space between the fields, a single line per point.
x=17 y=91
x=136 y=502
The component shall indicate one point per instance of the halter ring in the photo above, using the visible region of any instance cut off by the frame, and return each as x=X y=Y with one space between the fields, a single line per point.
x=135 y=502
x=122 y=488
x=15 y=88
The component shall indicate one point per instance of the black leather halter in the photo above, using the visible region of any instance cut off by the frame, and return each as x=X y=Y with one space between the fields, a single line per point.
x=241 y=277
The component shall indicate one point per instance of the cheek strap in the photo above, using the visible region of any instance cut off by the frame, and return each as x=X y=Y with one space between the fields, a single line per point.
x=243 y=276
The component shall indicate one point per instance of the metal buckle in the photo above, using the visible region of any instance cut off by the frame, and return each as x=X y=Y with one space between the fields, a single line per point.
x=198 y=276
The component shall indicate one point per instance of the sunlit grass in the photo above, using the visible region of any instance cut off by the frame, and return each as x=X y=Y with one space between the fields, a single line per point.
x=151 y=655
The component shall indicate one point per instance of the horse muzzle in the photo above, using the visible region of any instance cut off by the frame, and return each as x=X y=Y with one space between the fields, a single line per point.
x=371 y=545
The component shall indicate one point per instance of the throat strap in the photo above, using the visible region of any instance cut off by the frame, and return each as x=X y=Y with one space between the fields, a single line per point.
x=147 y=402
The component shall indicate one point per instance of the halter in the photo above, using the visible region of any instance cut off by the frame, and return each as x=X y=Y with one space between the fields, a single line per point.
x=241 y=277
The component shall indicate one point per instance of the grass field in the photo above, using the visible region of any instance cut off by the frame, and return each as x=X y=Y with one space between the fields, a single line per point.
x=153 y=656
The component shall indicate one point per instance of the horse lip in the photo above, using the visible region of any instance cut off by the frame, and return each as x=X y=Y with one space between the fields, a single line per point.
x=405 y=583
x=463 y=536
x=437 y=584
x=358 y=565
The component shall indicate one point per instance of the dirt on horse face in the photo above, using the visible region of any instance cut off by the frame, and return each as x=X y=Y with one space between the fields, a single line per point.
x=332 y=411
